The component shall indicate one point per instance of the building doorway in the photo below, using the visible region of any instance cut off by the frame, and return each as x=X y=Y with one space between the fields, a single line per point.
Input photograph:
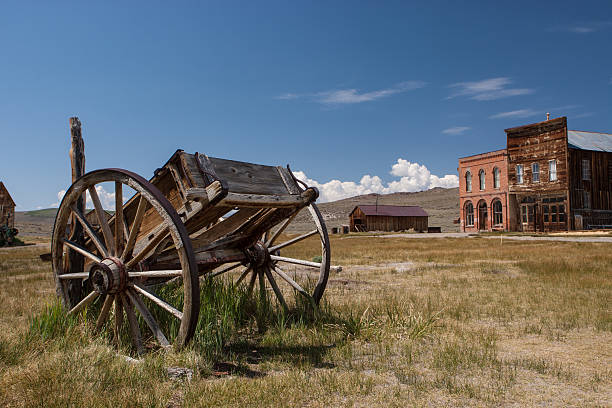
x=482 y=216
x=528 y=217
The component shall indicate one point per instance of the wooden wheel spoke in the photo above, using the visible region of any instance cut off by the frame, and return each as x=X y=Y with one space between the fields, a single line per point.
x=148 y=318
x=280 y=230
x=140 y=211
x=243 y=275
x=173 y=273
x=159 y=302
x=262 y=285
x=74 y=275
x=133 y=323
x=148 y=248
x=295 y=261
x=252 y=281
x=293 y=241
x=290 y=281
x=106 y=231
x=118 y=318
x=276 y=289
x=108 y=302
x=80 y=250
x=83 y=303
x=224 y=270
x=118 y=217
x=90 y=231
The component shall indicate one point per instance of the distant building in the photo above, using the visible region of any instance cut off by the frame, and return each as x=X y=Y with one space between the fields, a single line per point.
x=388 y=218
x=548 y=178
x=483 y=191
x=92 y=217
x=7 y=207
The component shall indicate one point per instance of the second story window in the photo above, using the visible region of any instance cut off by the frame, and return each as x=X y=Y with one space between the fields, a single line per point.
x=552 y=170
x=535 y=172
x=519 y=174
x=586 y=199
x=481 y=179
x=586 y=169
x=468 y=181
x=496 y=178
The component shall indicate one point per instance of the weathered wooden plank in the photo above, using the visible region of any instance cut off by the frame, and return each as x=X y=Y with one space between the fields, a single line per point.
x=249 y=178
x=290 y=183
x=268 y=200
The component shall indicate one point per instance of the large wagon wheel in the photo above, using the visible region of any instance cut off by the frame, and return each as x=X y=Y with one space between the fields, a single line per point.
x=285 y=275
x=117 y=266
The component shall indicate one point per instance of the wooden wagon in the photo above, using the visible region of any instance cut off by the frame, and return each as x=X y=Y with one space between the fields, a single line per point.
x=199 y=217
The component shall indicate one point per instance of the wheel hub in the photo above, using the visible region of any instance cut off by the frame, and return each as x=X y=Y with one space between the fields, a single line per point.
x=108 y=276
x=258 y=254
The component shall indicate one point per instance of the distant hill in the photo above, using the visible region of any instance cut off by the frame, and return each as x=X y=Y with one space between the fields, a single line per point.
x=442 y=205
x=45 y=213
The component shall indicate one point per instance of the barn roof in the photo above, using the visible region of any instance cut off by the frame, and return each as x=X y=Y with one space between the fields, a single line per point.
x=3 y=188
x=577 y=139
x=393 y=210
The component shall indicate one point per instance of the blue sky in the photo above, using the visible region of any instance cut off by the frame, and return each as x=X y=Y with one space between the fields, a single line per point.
x=395 y=91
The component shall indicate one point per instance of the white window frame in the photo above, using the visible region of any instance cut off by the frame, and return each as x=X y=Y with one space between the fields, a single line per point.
x=482 y=180
x=467 y=218
x=586 y=169
x=496 y=177
x=534 y=172
x=520 y=175
x=468 y=181
x=552 y=170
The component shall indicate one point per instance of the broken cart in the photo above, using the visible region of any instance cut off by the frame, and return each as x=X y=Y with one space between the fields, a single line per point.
x=199 y=217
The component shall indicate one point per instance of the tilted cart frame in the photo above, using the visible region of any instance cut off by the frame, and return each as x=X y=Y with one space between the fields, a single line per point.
x=198 y=217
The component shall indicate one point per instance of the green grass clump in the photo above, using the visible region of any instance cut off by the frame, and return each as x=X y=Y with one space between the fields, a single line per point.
x=51 y=323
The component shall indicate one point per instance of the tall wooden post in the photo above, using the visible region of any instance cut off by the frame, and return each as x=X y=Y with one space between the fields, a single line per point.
x=77 y=160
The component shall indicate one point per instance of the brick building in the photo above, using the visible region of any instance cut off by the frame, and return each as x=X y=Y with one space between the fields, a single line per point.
x=7 y=207
x=551 y=179
x=483 y=186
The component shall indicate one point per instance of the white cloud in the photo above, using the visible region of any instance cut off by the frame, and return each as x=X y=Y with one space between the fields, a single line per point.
x=456 y=130
x=352 y=95
x=583 y=115
x=586 y=27
x=520 y=113
x=411 y=177
x=106 y=199
x=60 y=195
x=287 y=96
x=487 y=89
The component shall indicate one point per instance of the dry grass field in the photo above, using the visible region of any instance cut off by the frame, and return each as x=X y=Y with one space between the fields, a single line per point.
x=428 y=322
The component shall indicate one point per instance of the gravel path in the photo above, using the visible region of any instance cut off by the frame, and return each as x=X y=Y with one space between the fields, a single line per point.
x=512 y=237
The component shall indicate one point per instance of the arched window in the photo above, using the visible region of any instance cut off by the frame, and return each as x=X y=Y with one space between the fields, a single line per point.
x=481 y=179
x=469 y=214
x=496 y=178
x=468 y=181
x=498 y=216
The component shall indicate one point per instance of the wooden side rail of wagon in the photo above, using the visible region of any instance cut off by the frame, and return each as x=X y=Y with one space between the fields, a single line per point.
x=198 y=216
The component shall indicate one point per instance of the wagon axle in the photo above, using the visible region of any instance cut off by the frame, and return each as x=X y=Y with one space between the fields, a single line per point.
x=108 y=276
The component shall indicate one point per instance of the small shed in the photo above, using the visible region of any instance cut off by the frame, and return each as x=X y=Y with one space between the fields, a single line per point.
x=92 y=217
x=388 y=218
x=7 y=207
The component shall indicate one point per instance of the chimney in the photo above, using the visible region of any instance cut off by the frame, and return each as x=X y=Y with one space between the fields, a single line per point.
x=547 y=116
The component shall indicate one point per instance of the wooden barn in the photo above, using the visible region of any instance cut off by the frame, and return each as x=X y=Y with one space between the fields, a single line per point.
x=388 y=218
x=7 y=207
